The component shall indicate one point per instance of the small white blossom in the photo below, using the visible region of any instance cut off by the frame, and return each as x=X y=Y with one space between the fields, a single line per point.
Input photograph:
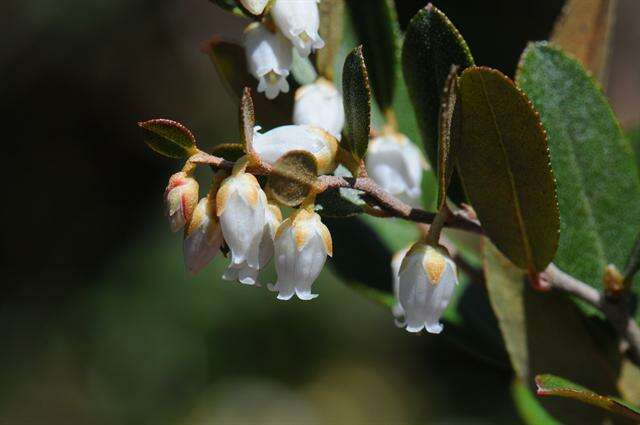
x=241 y=205
x=427 y=281
x=273 y=144
x=396 y=262
x=301 y=248
x=396 y=165
x=180 y=197
x=299 y=21
x=203 y=237
x=269 y=58
x=320 y=105
x=256 y=7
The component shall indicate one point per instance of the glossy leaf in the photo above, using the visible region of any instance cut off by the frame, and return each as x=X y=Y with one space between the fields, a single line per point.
x=597 y=178
x=529 y=407
x=585 y=30
x=331 y=30
x=376 y=25
x=431 y=46
x=450 y=127
x=503 y=160
x=229 y=151
x=550 y=385
x=357 y=104
x=168 y=138
x=544 y=332
x=293 y=178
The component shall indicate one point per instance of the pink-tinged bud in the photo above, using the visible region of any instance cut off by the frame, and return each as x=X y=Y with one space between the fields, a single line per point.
x=181 y=198
x=202 y=237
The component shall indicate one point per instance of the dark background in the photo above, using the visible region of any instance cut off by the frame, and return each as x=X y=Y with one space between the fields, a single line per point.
x=99 y=322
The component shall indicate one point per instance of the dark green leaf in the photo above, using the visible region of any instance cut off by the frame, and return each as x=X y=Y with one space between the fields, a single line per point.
x=331 y=30
x=169 y=138
x=584 y=30
x=503 y=160
x=234 y=7
x=530 y=409
x=247 y=120
x=450 y=133
x=550 y=385
x=544 y=332
x=376 y=25
x=229 y=151
x=293 y=177
x=357 y=104
x=598 y=188
x=431 y=46
x=634 y=139
x=335 y=203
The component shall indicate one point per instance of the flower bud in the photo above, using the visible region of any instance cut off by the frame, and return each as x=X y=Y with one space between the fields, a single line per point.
x=240 y=205
x=427 y=280
x=320 y=105
x=269 y=59
x=273 y=144
x=396 y=165
x=180 y=197
x=202 y=238
x=301 y=247
x=256 y=7
x=299 y=21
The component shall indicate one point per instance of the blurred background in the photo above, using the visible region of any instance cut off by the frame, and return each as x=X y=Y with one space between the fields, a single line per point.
x=99 y=323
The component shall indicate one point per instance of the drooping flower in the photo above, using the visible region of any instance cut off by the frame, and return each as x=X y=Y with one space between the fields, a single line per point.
x=256 y=7
x=180 y=197
x=240 y=206
x=271 y=145
x=269 y=59
x=301 y=248
x=396 y=165
x=320 y=105
x=203 y=237
x=428 y=278
x=299 y=21
x=396 y=262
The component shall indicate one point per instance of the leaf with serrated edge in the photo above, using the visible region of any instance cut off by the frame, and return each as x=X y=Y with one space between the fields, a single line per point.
x=169 y=138
x=597 y=178
x=449 y=128
x=357 y=104
x=247 y=120
x=504 y=163
x=293 y=177
x=550 y=385
x=584 y=30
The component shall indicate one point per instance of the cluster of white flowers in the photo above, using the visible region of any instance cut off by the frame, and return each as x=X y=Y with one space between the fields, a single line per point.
x=237 y=214
x=269 y=48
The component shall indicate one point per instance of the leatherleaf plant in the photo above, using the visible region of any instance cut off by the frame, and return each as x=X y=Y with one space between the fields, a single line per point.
x=498 y=211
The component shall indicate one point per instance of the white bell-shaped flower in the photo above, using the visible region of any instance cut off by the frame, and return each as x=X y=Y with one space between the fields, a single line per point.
x=301 y=248
x=396 y=165
x=269 y=58
x=181 y=198
x=299 y=21
x=427 y=281
x=273 y=144
x=256 y=7
x=396 y=262
x=249 y=275
x=320 y=105
x=203 y=237
x=241 y=205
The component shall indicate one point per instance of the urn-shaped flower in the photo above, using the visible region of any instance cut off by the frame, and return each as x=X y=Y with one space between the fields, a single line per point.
x=203 y=237
x=181 y=198
x=299 y=21
x=320 y=105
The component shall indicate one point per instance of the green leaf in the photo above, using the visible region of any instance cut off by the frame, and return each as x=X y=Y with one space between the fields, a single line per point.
x=450 y=128
x=331 y=30
x=431 y=46
x=169 y=138
x=234 y=7
x=247 y=119
x=597 y=178
x=504 y=164
x=530 y=409
x=376 y=25
x=551 y=385
x=229 y=151
x=293 y=177
x=634 y=138
x=585 y=30
x=339 y=203
x=357 y=104
x=544 y=332
x=231 y=65
x=302 y=69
